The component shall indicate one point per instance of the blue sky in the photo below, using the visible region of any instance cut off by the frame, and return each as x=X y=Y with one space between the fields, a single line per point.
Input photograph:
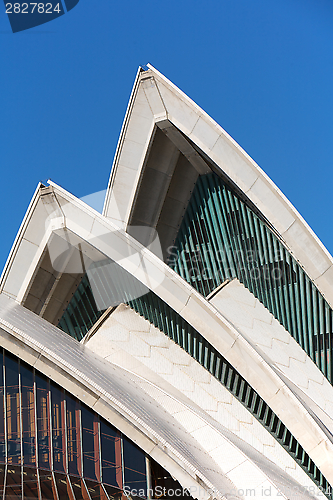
x=263 y=69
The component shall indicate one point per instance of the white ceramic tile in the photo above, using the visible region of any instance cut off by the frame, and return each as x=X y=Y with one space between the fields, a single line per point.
x=233 y=163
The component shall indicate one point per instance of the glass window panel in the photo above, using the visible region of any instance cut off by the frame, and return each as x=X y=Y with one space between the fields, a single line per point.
x=64 y=491
x=73 y=435
x=95 y=490
x=13 y=410
x=13 y=483
x=111 y=455
x=2 y=478
x=104 y=496
x=1 y=365
x=58 y=428
x=113 y=493
x=162 y=479
x=90 y=444
x=30 y=484
x=134 y=468
x=43 y=421
x=28 y=415
x=79 y=489
x=47 y=485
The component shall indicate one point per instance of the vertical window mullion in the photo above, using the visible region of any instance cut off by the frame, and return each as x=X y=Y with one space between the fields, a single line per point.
x=285 y=291
x=217 y=206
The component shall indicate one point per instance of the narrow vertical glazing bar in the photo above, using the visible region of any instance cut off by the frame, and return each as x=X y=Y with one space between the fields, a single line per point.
x=43 y=422
x=219 y=224
x=64 y=437
x=238 y=253
x=66 y=324
x=50 y=423
x=73 y=436
x=188 y=265
x=89 y=426
x=264 y=258
x=194 y=244
x=239 y=235
x=88 y=312
x=300 y=314
x=283 y=284
x=197 y=249
x=323 y=334
x=77 y=311
x=28 y=415
x=209 y=248
x=291 y=285
x=13 y=417
x=20 y=424
x=231 y=232
x=79 y=328
x=81 y=296
x=150 y=310
x=213 y=241
x=261 y=248
x=309 y=308
x=98 y=286
x=273 y=286
x=330 y=334
x=252 y=255
x=267 y=258
x=2 y=412
x=303 y=306
x=178 y=264
x=58 y=429
x=97 y=448
x=185 y=261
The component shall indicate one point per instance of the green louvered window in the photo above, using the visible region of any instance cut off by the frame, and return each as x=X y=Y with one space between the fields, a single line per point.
x=220 y=237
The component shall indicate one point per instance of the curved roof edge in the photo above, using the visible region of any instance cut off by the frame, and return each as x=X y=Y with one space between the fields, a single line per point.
x=155 y=101
x=18 y=239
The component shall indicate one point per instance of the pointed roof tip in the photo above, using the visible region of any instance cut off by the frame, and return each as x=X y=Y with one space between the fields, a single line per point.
x=154 y=70
x=144 y=67
x=148 y=66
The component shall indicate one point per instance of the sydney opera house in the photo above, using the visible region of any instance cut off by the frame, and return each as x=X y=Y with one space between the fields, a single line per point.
x=178 y=344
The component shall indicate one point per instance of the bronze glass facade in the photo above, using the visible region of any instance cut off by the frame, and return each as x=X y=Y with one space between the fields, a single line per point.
x=52 y=446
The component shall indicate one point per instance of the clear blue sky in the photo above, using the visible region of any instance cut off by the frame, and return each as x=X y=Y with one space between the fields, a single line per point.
x=263 y=69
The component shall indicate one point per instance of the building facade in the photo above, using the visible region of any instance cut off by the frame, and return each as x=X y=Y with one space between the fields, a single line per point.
x=178 y=344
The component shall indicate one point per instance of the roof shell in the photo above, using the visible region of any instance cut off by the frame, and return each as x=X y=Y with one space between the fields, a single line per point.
x=157 y=102
x=97 y=235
